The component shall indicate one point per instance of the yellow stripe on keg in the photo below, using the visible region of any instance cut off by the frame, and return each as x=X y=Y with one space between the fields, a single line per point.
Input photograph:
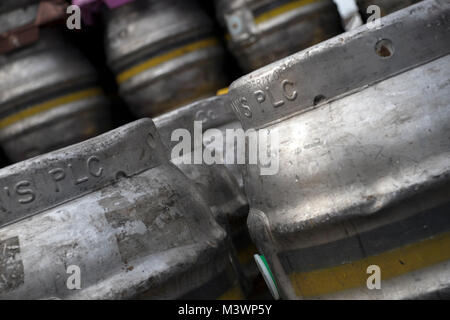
x=234 y=293
x=392 y=264
x=222 y=91
x=152 y=62
x=245 y=255
x=281 y=9
x=48 y=105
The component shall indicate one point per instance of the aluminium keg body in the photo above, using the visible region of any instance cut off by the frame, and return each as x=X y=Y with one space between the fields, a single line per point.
x=386 y=6
x=220 y=184
x=115 y=208
x=164 y=54
x=362 y=190
x=262 y=31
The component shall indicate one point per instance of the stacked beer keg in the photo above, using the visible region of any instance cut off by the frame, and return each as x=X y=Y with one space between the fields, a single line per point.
x=364 y=162
x=383 y=7
x=361 y=152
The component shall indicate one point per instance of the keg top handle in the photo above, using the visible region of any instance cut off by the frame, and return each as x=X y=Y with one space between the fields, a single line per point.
x=343 y=64
x=212 y=112
x=37 y=184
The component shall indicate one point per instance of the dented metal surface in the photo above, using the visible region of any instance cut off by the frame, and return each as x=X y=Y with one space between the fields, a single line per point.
x=263 y=31
x=164 y=54
x=115 y=207
x=45 y=102
x=366 y=181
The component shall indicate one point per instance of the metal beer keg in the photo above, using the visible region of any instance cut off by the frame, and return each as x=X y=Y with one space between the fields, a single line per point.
x=359 y=207
x=218 y=182
x=263 y=31
x=114 y=212
x=164 y=54
x=49 y=94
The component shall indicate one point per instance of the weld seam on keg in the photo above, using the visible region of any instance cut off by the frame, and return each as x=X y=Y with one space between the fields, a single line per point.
x=272 y=13
x=392 y=264
x=155 y=61
x=48 y=105
x=264 y=268
x=45 y=94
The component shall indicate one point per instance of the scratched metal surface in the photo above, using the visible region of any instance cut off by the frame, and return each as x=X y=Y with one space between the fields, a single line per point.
x=130 y=220
x=256 y=40
x=37 y=75
x=145 y=31
x=372 y=151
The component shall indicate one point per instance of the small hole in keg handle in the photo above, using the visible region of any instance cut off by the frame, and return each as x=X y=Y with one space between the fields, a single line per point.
x=384 y=48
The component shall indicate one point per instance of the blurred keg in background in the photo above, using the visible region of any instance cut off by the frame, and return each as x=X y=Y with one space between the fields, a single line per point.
x=364 y=160
x=164 y=54
x=115 y=208
x=386 y=6
x=11 y=5
x=49 y=95
x=263 y=31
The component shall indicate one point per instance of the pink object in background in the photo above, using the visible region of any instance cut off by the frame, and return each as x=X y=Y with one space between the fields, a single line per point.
x=89 y=7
